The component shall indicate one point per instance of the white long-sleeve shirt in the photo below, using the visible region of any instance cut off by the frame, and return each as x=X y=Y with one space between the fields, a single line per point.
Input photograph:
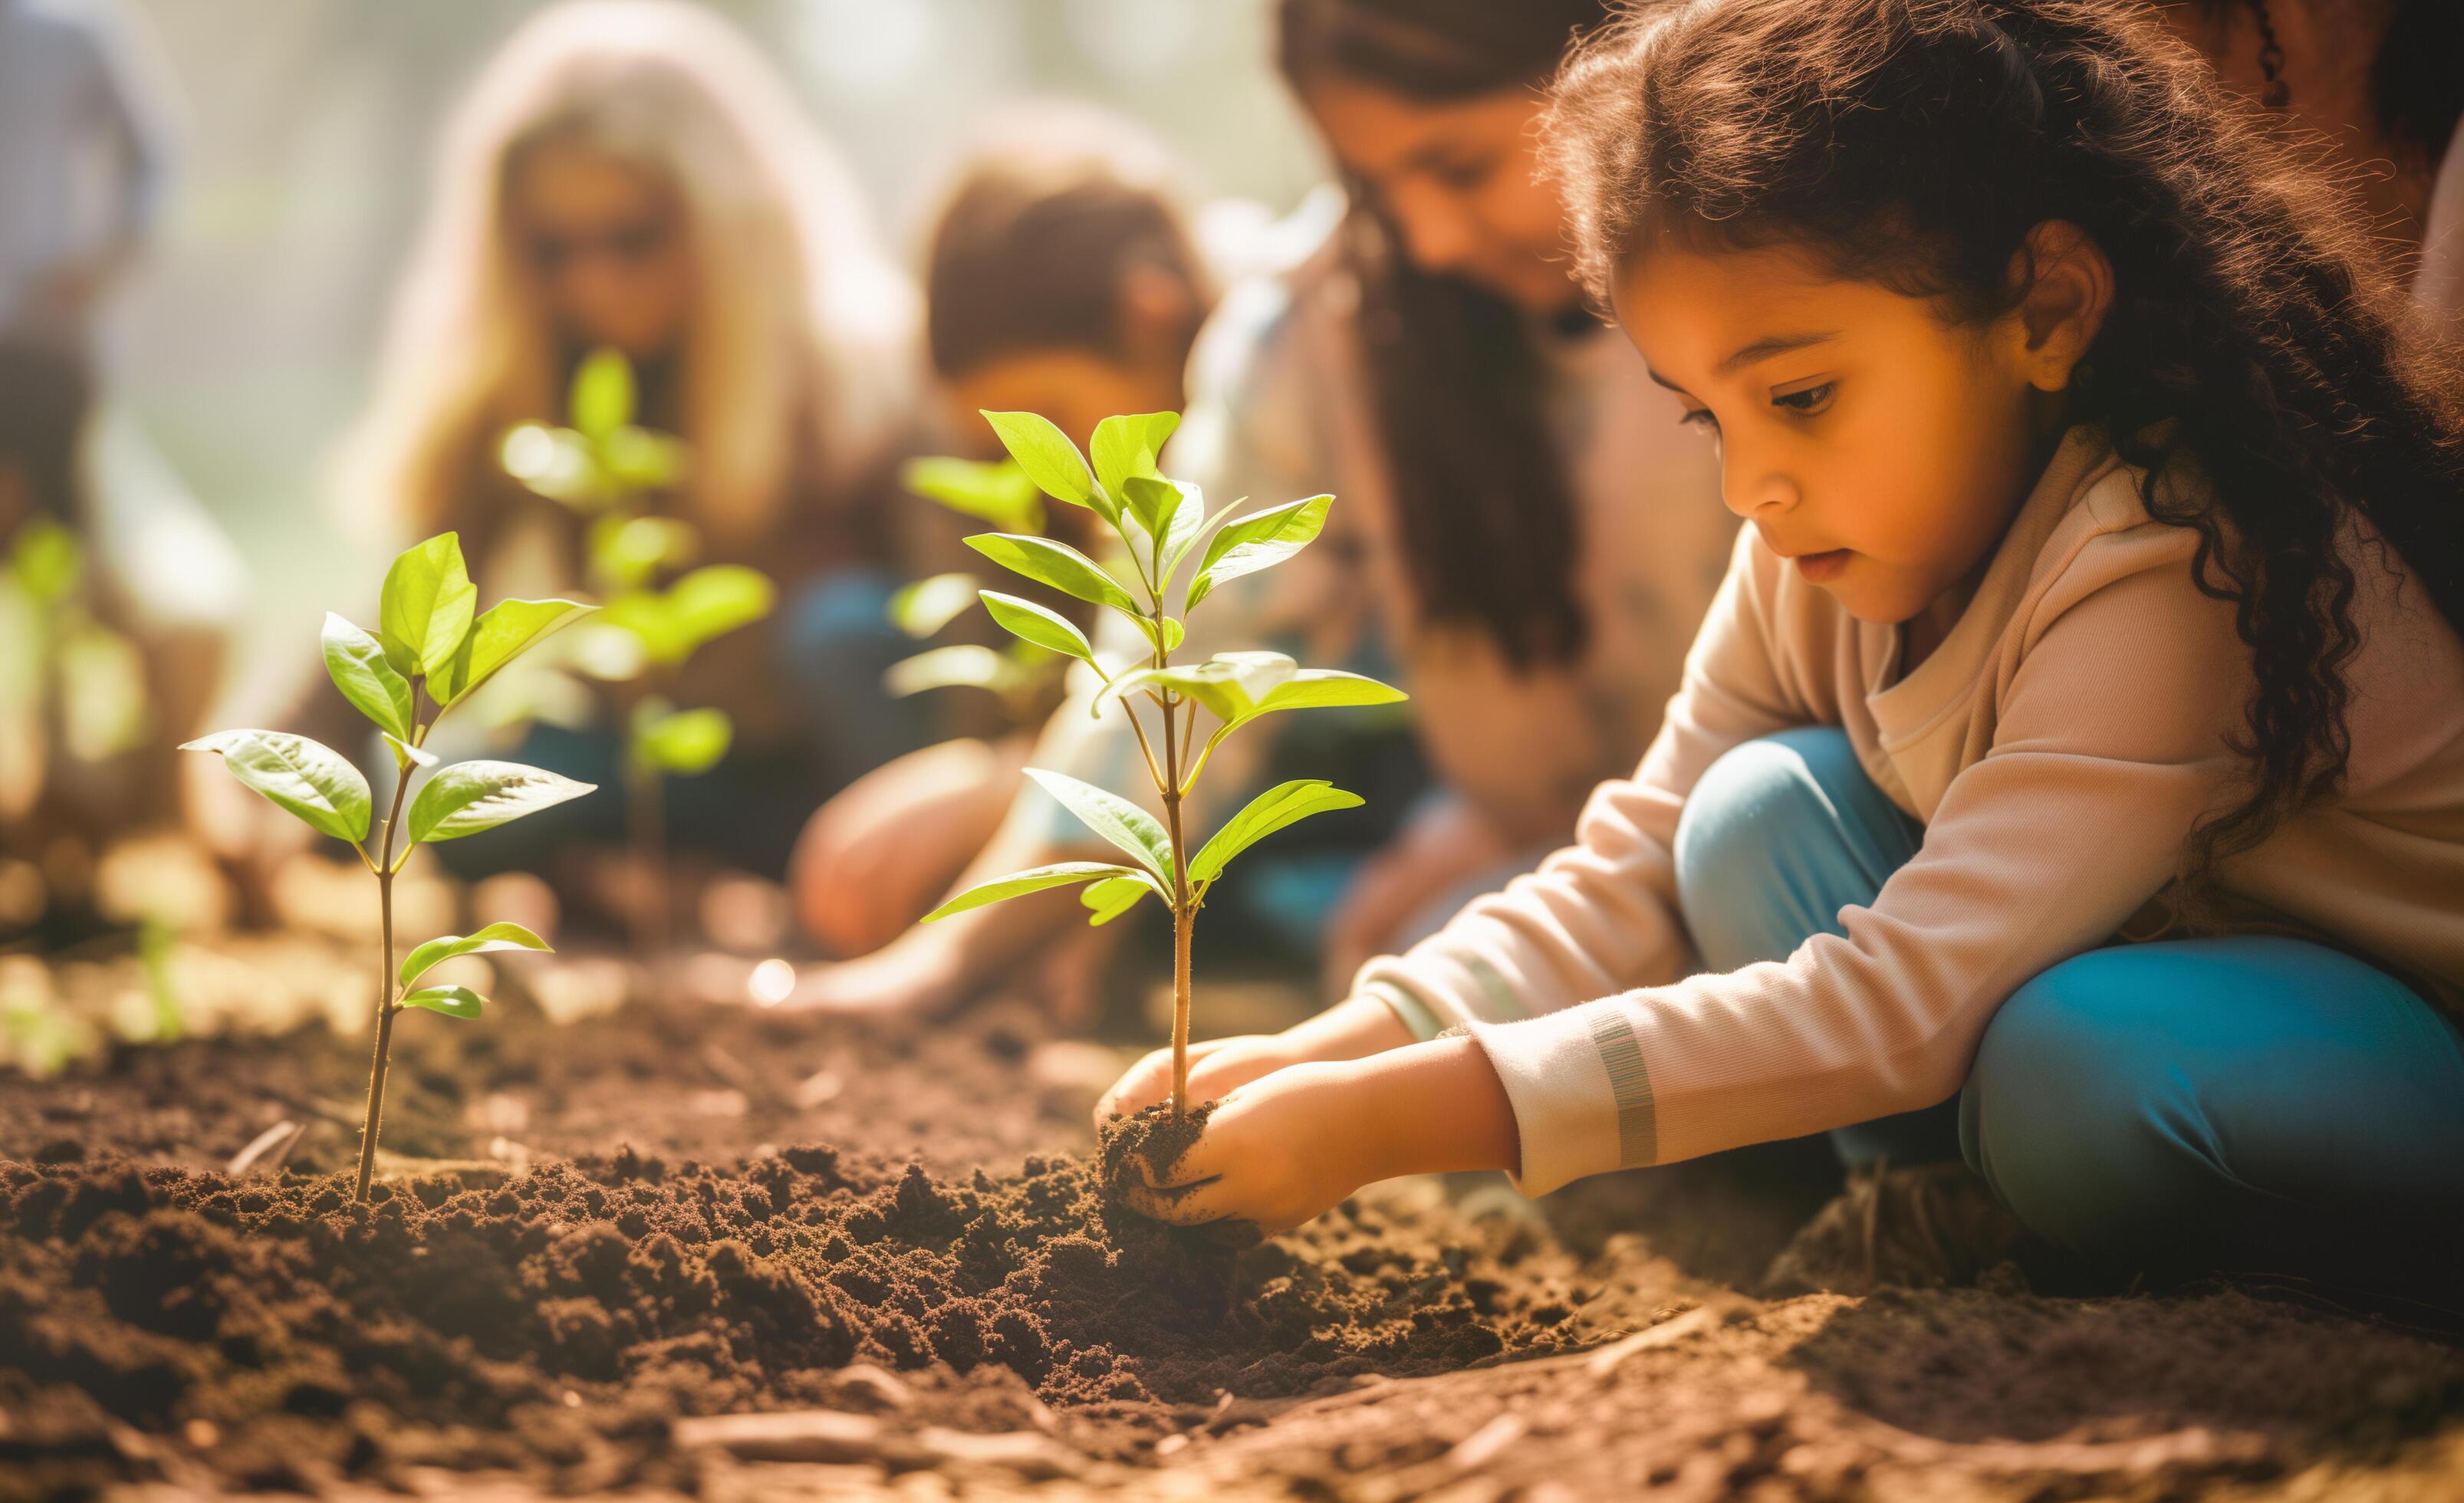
x=2058 y=747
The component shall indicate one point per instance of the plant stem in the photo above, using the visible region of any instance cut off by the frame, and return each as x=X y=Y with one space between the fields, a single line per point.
x=385 y=1004
x=646 y=821
x=1184 y=915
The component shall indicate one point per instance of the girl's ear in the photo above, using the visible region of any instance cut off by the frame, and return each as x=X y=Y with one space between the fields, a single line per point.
x=2069 y=289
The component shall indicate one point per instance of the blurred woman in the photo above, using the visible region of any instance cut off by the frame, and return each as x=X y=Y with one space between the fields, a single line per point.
x=1062 y=277
x=2374 y=82
x=630 y=174
x=1520 y=531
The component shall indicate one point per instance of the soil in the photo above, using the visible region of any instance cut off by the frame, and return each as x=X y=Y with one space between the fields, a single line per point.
x=675 y=1251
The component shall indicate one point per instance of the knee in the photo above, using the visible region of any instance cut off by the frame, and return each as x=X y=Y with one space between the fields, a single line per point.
x=2072 y=1114
x=1761 y=797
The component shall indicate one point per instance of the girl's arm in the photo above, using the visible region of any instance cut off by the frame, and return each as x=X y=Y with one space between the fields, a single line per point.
x=1601 y=916
x=2111 y=740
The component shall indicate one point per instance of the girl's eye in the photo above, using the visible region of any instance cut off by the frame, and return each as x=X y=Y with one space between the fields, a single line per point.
x=1809 y=401
x=1463 y=176
x=1699 y=417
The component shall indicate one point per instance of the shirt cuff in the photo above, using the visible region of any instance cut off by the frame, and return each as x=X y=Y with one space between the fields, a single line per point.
x=1414 y=1014
x=1580 y=1092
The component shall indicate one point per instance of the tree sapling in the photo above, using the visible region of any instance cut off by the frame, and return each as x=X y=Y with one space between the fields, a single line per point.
x=1159 y=522
x=607 y=468
x=429 y=652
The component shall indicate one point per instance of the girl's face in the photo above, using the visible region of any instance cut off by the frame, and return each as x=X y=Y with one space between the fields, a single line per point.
x=1459 y=182
x=603 y=240
x=1879 y=446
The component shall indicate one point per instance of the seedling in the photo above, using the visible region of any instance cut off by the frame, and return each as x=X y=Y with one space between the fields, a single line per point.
x=1022 y=677
x=607 y=467
x=429 y=652
x=1159 y=522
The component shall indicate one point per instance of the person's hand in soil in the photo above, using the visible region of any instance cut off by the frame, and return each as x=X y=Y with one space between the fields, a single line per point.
x=1290 y=1145
x=876 y=857
x=1351 y=1029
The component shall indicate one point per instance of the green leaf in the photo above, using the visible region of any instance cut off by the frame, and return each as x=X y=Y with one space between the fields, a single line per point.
x=1229 y=686
x=1046 y=454
x=46 y=559
x=1114 y=817
x=495 y=937
x=1169 y=637
x=1182 y=541
x=1326 y=689
x=313 y=781
x=626 y=551
x=1113 y=896
x=1130 y=447
x=999 y=493
x=708 y=603
x=1258 y=541
x=455 y=1002
x=925 y=605
x=1035 y=880
x=406 y=755
x=503 y=632
x=638 y=459
x=473 y=796
x=427 y=606
x=1055 y=564
x=607 y=648
x=602 y=395
x=965 y=666
x=1030 y=622
x=357 y=663
x=553 y=461
x=1285 y=804
x=687 y=742
x=1154 y=504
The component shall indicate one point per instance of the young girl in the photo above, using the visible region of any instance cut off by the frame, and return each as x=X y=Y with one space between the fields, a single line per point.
x=2079 y=731
x=633 y=174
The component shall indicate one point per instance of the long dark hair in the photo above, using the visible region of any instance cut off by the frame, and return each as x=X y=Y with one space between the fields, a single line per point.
x=1489 y=528
x=2259 y=337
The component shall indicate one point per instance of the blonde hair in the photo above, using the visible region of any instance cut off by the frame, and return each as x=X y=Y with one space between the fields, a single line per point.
x=798 y=319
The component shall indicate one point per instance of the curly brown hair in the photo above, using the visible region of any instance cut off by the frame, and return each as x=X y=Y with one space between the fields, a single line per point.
x=2259 y=337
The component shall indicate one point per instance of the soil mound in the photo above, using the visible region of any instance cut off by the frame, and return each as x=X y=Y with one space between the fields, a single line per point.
x=559 y=1319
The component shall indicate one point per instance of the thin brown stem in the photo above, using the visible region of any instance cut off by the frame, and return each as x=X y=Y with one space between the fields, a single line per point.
x=1184 y=913
x=387 y=1007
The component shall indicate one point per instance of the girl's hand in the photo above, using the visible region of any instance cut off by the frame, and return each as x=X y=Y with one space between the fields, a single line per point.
x=1288 y=1145
x=1276 y=1151
x=1350 y=1030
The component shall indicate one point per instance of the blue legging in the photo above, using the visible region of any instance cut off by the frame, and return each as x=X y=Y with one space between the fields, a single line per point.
x=2242 y=1104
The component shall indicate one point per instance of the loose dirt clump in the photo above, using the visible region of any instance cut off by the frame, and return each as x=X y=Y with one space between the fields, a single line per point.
x=558 y=1320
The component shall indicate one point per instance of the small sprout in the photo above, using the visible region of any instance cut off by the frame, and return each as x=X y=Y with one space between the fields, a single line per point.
x=428 y=648
x=607 y=467
x=1158 y=522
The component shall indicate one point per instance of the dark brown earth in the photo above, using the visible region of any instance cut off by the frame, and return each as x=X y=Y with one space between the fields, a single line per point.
x=600 y=1245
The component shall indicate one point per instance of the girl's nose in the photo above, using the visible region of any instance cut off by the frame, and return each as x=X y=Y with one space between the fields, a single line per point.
x=1437 y=235
x=1752 y=492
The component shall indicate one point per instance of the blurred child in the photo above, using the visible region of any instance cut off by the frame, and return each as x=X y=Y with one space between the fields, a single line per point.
x=2102 y=587
x=1062 y=277
x=1513 y=540
x=631 y=173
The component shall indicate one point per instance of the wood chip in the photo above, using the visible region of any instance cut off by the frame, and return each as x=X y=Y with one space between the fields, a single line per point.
x=1483 y=1446
x=280 y=1135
